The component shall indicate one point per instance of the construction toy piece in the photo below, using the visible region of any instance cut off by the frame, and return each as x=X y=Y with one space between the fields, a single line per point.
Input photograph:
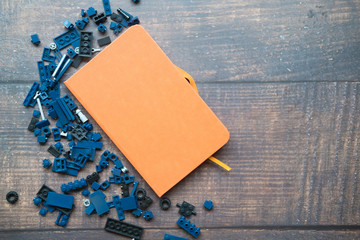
x=124 y=229
x=208 y=204
x=148 y=215
x=104 y=41
x=85 y=192
x=165 y=203
x=59 y=146
x=67 y=38
x=59 y=165
x=135 y=1
x=79 y=132
x=81 y=116
x=43 y=123
x=117 y=204
x=35 y=39
x=46 y=55
x=96 y=137
x=29 y=100
x=188 y=227
x=88 y=126
x=137 y=213
x=46 y=131
x=68 y=24
x=32 y=124
x=85 y=44
x=37 y=201
x=83 y=13
x=77 y=184
x=98 y=200
x=105 y=185
x=46 y=163
x=37 y=132
x=102 y=28
x=63 y=65
x=43 y=212
x=186 y=209
x=145 y=203
x=71 y=52
x=12 y=197
x=85 y=20
x=172 y=237
x=43 y=192
x=107 y=7
x=140 y=193
x=86 y=202
x=91 y=12
x=134 y=188
x=92 y=178
x=99 y=18
x=41 y=139
x=62 y=220
x=128 y=179
x=56 y=134
x=129 y=203
x=60 y=200
x=80 y=24
x=53 y=151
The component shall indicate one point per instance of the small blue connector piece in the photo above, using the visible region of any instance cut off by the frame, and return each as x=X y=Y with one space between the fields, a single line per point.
x=37 y=132
x=71 y=52
x=148 y=215
x=188 y=227
x=208 y=204
x=41 y=139
x=67 y=38
x=80 y=24
x=102 y=28
x=29 y=100
x=46 y=131
x=46 y=55
x=56 y=134
x=68 y=24
x=46 y=163
x=35 y=39
x=95 y=186
x=107 y=7
x=91 y=12
x=36 y=113
x=37 y=201
x=83 y=13
x=85 y=20
x=43 y=212
x=172 y=237
x=85 y=192
x=59 y=146
x=137 y=213
x=88 y=126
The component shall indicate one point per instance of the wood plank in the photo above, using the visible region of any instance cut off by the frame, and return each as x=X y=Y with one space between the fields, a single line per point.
x=294 y=150
x=236 y=41
x=209 y=234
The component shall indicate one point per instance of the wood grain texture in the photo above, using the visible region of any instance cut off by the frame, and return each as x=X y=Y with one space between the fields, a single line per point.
x=236 y=41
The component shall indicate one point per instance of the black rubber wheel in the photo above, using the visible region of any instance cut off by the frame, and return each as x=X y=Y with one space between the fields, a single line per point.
x=165 y=204
x=140 y=193
x=12 y=197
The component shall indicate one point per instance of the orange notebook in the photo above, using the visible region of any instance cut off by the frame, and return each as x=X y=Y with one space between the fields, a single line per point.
x=154 y=116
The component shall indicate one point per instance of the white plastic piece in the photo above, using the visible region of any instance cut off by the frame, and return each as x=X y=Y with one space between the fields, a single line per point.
x=63 y=134
x=124 y=170
x=82 y=117
x=86 y=202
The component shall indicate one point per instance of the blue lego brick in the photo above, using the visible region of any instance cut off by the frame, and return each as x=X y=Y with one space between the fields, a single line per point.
x=117 y=30
x=71 y=172
x=110 y=204
x=99 y=18
x=208 y=204
x=55 y=92
x=105 y=155
x=36 y=113
x=52 y=66
x=96 y=137
x=188 y=227
x=95 y=186
x=115 y=179
x=58 y=145
x=118 y=207
x=69 y=137
x=85 y=20
x=46 y=163
x=69 y=102
x=102 y=28
x=43 y=212
x=128 y=179
x=103 y=164
x=46 y=55
x=66 y=65
x=91 y=11
x=129 y=203
x=46 y=103
x=134 y=188
x=41 y=139
x=85 y=192
x=46 y=131
x=62 y=220
x=37 y=132
x=137 y=212
x=68 y=24
x=83 y=13
x=134 y=21
x=76 y=151
x=99 y=168
x=148 y=215
x=81 y=160
x=77 y=184
x=90 y=144
x=35 y=39
x=66 y=38
x=42 y=73
x=43 y=96
x=71 y=165
x=88 y=126
x=172 y=237
x=116 y=172
x=105 y=185
x=59 y=165
x=114 y=25
x=37 y=201
x=29 y=100
x=80 y=24
x=42 y=123
x=71 y=52
x=58 y=54
x=107 y=8
x=124 y=229
x=62 y=110
x=60 y=200
x=98 y=200
x=56 y=134
x=90 y=209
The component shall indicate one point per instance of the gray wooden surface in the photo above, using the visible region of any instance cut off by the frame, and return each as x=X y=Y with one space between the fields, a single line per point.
x=281 y=75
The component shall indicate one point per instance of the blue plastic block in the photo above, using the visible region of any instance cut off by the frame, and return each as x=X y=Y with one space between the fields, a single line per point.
x=41 y=139
x=114 y=25
x=85 y=192
x=106 y=154
x=98 y=200
x=69 y=137
x=83 y=13
x=80 y=24
x=42 y=74
x=36 y=113
x=69 y=102
x=58 y=145
x=62 y=220
x=71 y=165
x=117 y=204
x=116 y=31
x=46 y=55
x=129 y=203
x=29 y=100
x=43 y=212
x=208 y=204
x=95 y=186
x=71 y=172
x=35 y=39
x=105 y=185
x=71 y=52
x=68 y=24
x=128 y=179
x=188 y=227
x=99 y=168
x=56 y=134
x=46 y=163
x=76 y=151
x=60 y=200
x=48 y=207
x=37 y=201
x=116 y=172
x=102 y=28
x=88 y=126
x=59 y=165
x=91 y=12
x=172 y=237
x=136 y=1
x=148 y=215
x=107 y=7
x=37 y=132
x=110 y=204
x=134 y=21
x=96 y=137
x=90 y=209
x=46 y=103
x=77 y=184
x=116 y=179
x=46 y=131
x=42 y=123
x=137 y=213
x=134 y=188
x=65 y=66
x=81 y=160
x=67 y=38
x=58 y=54
x=85 y=20
x=43 y=96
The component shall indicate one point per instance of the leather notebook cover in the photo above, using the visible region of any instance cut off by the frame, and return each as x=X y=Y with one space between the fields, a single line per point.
x=147 y=108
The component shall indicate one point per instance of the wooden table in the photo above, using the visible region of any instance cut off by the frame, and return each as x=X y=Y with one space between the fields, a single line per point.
x=283 y=76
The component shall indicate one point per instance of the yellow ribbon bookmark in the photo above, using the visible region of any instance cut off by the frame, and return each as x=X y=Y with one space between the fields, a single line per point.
x=220 y=163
